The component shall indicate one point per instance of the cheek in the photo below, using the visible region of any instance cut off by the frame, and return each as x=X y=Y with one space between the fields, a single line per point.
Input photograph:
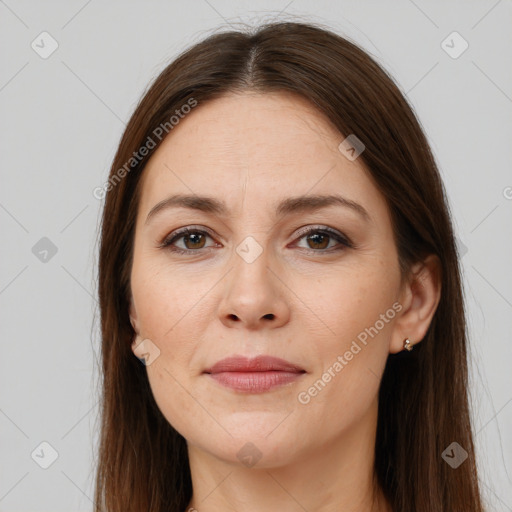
x=177 y=406
x=171 y=314
x=353 y=302
x=360 y=316
x=166 y=298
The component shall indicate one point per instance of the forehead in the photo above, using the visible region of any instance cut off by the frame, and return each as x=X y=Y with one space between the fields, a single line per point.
x=252 y=148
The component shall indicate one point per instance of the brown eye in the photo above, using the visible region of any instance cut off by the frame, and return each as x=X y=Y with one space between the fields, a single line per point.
x=195 y=239
x=192 y=241
x=318 y=240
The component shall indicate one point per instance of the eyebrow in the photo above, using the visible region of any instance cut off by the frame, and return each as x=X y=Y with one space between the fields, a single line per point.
x=211 y=205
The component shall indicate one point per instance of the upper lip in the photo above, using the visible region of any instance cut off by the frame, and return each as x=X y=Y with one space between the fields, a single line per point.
x=256 y=364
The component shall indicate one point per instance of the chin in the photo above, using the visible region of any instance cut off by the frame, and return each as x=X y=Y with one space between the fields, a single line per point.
x=252 y=444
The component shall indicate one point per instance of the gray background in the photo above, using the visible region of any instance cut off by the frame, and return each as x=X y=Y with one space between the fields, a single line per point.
x=61 y=121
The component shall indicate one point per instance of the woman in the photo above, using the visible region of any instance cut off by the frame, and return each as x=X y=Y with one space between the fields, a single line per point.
x=277 y=250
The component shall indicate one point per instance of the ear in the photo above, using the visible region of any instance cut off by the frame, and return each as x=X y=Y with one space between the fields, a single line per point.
x=138 y=347
x=419 y=299
x=133 y=316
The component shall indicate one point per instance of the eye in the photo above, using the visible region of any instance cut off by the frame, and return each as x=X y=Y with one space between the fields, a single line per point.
x=318 y=239
x=193 y=239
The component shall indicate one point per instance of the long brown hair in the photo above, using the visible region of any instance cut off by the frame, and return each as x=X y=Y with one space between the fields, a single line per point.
x=423 y=397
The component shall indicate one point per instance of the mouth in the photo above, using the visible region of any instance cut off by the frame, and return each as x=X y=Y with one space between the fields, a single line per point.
x=255 y=375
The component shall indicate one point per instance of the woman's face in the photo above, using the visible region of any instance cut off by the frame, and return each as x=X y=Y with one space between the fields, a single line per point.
x=262 y=273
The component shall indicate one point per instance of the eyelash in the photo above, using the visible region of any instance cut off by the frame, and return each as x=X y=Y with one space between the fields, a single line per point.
x=325 y=230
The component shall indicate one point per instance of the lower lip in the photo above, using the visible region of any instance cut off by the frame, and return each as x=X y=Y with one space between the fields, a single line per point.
x=255 y=382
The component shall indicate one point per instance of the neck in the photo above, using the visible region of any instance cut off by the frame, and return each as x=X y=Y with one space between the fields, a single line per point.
x=336 y=476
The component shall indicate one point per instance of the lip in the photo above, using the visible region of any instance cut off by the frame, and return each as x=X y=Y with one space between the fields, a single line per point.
x=254 y=375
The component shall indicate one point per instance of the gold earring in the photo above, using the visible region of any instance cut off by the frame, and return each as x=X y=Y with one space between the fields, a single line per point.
x=407 y=344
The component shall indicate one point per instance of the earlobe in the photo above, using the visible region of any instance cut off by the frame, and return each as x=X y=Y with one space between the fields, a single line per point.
x=138 y=347
x=421 y=298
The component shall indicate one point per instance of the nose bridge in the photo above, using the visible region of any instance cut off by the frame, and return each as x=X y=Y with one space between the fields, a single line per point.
x=251 y=261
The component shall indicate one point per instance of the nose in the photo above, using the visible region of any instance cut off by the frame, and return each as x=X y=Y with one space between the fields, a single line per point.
x=254 y=297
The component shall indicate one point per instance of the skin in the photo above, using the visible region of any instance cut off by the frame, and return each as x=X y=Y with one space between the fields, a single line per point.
x=252 y=150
